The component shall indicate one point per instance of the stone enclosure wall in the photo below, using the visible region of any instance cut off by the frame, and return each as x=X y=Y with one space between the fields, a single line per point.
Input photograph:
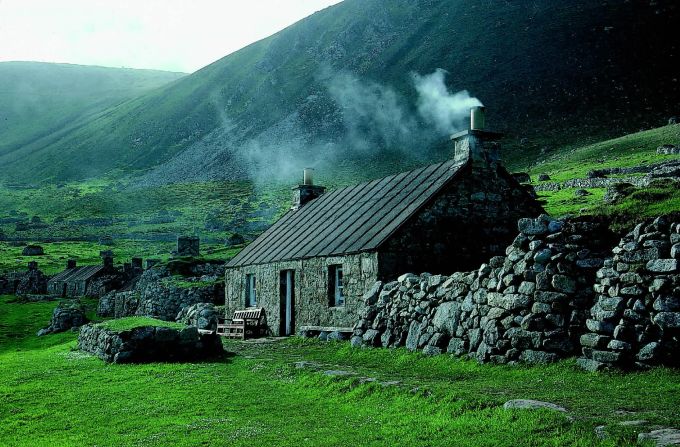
x=635 y=321
x=529 y=305
x=148 y=344
x=560 y=291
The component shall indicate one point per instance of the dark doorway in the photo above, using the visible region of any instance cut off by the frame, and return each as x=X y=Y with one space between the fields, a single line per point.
x=64 y=291
x=287 y=283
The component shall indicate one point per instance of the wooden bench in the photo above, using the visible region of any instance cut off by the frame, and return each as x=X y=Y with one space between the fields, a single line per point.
x=244 y=324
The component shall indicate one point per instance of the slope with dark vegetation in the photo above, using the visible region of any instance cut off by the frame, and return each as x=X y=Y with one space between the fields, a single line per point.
x=39 y=102
x=553 y=74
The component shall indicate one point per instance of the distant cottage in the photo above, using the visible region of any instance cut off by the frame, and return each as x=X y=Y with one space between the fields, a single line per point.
x=311 y=268
x=92 y=280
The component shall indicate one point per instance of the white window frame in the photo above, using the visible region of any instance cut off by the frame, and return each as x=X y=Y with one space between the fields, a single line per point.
x=251 y=291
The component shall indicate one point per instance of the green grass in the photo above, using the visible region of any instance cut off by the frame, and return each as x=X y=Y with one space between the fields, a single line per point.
x=179 y=282
x=51 y=395
x=564 y=202
x=125 y=324
x=629 y=150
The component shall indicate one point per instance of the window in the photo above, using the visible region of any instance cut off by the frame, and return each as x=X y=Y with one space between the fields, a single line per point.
x=336 y=289
x=251 y=291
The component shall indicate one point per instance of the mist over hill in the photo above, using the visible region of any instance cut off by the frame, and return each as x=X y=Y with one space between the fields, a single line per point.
x=356 y=85
x=39 y=99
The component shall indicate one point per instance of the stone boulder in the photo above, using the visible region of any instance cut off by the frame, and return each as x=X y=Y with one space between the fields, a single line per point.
x=32 y=250
x=201 y=315
x=64 y=318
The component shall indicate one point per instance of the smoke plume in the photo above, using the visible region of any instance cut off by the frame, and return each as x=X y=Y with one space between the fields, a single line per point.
x=444 y=110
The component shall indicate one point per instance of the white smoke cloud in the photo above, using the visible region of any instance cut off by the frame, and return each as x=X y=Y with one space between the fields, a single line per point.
x=444 y=110
x=375 y=116
x=360 y=118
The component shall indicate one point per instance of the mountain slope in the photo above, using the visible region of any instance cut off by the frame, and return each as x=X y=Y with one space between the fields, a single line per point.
x=37 y=99
x=337 y=87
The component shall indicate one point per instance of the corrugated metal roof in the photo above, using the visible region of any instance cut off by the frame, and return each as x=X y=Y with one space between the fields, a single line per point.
x=349 y=220
x=82 y=273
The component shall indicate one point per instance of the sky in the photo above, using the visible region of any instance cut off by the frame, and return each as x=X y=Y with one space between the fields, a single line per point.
x=174 y=35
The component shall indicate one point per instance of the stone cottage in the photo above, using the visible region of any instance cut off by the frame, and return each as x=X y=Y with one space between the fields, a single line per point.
x=74 y=280
x=311 y=268
x=93 y=280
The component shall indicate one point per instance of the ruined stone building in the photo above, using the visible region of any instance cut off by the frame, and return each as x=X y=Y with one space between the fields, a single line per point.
x=93 y=280
x=311 y=268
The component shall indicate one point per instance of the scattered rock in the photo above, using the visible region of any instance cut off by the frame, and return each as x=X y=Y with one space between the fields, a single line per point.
x=64 y=318
x=32 y=250
x=204 y=316
x=662 y=438
x=528 y=404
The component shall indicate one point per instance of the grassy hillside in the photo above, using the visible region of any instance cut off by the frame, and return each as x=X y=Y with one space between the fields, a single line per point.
x=552 y=75
x=636 y=149
x=259 y=397
x=76 y=219
x=38 y=100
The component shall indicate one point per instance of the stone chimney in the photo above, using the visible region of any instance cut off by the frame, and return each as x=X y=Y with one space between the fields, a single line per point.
x=477 y=145
x=71 y=264
x=137 y=264
x=307 y=191
x=107 y=259
x=188 y=246
x=32 y=266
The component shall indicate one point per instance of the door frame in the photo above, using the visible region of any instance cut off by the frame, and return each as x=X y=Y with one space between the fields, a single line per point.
x=287 y=302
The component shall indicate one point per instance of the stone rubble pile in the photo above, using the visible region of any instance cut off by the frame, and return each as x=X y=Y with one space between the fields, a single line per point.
x=65 y=316
x=203 y=316
x=530 y=305
x=635 y=321
x=156 y=295
x=668 y=149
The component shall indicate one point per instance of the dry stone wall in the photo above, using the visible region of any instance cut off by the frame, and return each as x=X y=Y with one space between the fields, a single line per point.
x=156 y=295
x=148 y=344
x=635 y=321
x=530 y=305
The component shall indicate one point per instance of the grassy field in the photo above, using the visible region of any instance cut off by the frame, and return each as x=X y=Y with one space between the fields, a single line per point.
x=52 y=395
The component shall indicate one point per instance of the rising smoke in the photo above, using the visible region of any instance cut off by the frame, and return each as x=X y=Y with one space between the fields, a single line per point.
x=374 y=118
x=348 y=118
x=440 y=108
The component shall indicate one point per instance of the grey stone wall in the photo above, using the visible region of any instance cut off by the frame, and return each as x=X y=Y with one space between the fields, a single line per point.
x=469 y=222
x=636 y=319
x=148 y=344
x=530 y=305
x=155 y=295
x=32 y=282
x=312 y=307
